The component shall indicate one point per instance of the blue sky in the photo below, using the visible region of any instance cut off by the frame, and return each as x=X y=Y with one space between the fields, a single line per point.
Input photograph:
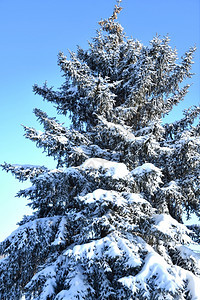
x=33 y=32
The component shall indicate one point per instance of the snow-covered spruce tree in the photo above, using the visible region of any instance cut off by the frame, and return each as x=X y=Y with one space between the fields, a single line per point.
x=107 y=223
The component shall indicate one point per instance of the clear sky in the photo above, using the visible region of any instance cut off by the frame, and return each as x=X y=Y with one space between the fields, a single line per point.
x=31 y=35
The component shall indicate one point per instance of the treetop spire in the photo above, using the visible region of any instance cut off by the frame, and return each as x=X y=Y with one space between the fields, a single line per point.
x=109 y=24
x=117 y=10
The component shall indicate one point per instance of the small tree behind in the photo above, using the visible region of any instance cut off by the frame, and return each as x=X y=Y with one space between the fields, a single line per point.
x=107 y=223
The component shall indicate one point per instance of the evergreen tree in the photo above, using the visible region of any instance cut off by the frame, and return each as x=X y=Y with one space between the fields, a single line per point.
x=108 y=222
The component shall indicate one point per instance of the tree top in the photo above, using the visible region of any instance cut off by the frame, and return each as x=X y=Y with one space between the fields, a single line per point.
x=109 y=24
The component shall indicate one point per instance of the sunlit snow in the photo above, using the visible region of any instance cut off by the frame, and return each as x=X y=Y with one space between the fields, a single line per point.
x=114 y=169
x=145 y=168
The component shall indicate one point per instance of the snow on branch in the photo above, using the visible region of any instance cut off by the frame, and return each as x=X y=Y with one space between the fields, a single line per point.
x=24 y=172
